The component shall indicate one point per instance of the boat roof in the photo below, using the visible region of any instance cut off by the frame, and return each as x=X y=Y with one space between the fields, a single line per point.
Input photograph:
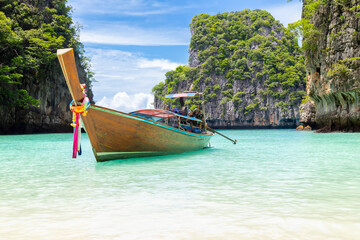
x=154 y=113
x=157 y=114
x=179 y=95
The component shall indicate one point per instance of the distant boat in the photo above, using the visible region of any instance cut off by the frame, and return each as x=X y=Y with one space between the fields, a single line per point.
x=118 y=135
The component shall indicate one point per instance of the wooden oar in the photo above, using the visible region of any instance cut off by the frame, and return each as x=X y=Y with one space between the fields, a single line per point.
x=212 y=130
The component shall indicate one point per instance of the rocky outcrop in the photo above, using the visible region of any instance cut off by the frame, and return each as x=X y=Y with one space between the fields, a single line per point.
x=248 y=67
x=264 y=114
x=302 y=128
x=307 y=113
x=34 y=97
x=53 y=114
x=332 y=51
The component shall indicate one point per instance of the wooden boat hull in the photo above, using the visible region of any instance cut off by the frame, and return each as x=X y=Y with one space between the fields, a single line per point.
x=118 y=135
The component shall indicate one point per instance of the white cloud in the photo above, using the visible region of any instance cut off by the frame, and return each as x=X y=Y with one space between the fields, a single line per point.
x=118 y=33
x=123 y=102
x=129 y=72
x=163 y=64
x=287 y=13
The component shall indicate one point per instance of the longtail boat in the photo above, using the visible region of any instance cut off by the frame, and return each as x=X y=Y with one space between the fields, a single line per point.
x=118 y=135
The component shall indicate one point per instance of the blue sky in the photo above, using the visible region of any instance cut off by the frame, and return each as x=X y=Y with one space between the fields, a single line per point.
x=133 y=43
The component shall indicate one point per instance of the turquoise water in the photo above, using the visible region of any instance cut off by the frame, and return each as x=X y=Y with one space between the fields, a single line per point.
x=274 y=184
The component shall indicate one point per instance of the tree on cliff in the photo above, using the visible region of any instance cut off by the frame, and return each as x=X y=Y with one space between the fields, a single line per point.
x=30 y=34
x=331 y=44
x=247 y=64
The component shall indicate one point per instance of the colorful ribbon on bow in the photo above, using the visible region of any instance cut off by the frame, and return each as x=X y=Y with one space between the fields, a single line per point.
x=77 y=110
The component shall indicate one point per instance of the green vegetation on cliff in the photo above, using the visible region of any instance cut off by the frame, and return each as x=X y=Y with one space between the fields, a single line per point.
x=30 y=34
x=313 y=28
x=241 y=55
x=306 y=29
x=331 y=45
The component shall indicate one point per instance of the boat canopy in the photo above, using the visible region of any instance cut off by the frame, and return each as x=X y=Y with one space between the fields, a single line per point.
x=157 y=114
x=179 y=95
x=153 y=114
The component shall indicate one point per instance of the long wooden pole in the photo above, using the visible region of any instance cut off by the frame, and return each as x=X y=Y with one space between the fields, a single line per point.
x=212 y=130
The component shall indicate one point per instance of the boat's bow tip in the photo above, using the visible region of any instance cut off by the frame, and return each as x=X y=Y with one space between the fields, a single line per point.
x=62 y=51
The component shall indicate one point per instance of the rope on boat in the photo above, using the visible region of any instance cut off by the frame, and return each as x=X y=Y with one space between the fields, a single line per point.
x=77 y=110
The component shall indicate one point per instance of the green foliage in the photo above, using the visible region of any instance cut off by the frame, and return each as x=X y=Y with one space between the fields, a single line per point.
x=228 y=93
x=208 y=80
x=216 y=88
x=251 y=107
x=238 y=46
x=237 y=98
x=311 y=34
x=158 y=89
x=295 y=96
x=30 y=34
x=339 y=70
x=223 y=102
x=305 y=99
x=213 y=96
x=343 y=73
x=24 y=100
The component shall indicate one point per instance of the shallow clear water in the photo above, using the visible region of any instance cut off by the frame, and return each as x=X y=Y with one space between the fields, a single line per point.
x=274 y=184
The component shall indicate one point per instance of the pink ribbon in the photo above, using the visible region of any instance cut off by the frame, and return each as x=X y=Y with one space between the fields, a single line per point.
x=76 y=136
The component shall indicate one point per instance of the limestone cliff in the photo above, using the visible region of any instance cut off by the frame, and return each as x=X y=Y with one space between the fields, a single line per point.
x=53 y=114
x=34 y=96
x=332 y=52
x=249 y=68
